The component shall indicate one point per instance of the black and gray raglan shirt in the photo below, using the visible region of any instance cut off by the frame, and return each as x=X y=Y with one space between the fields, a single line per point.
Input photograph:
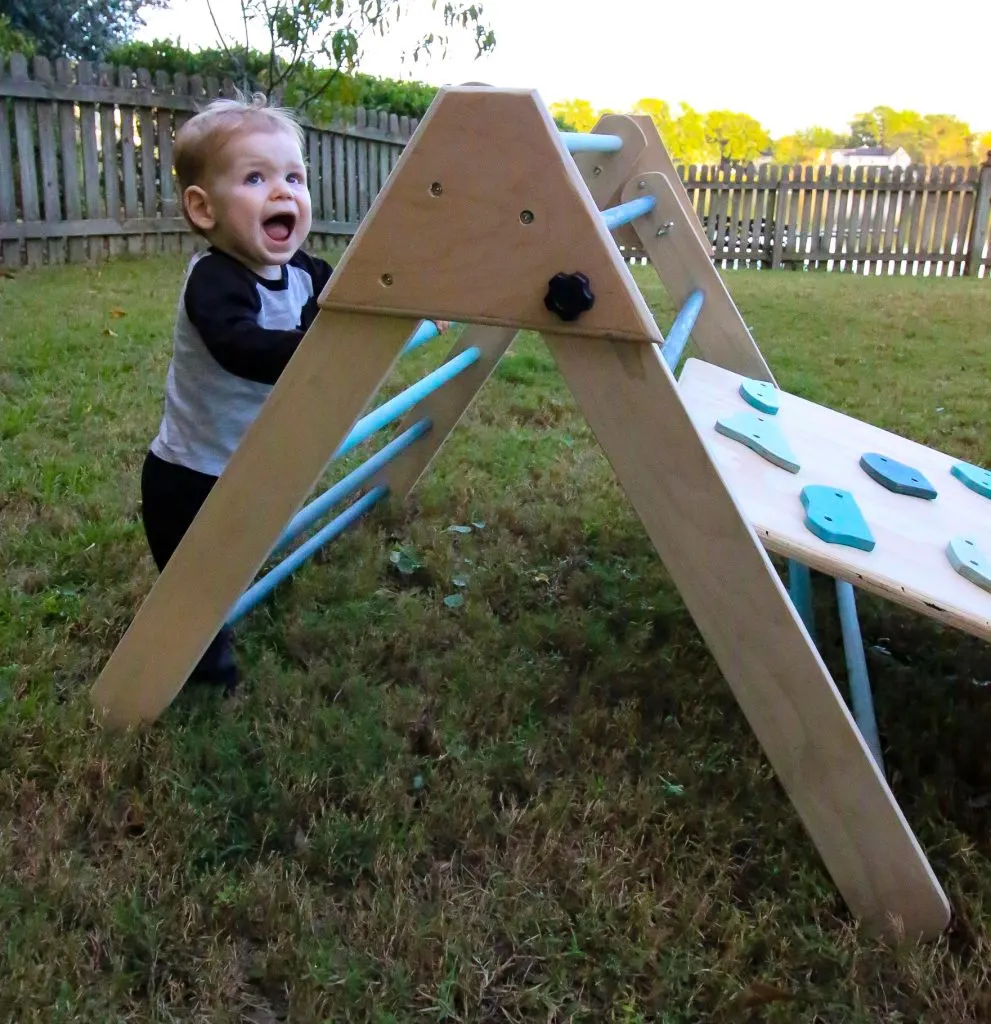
x=234 y=334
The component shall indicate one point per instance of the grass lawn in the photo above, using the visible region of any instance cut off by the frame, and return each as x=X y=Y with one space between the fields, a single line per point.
x=542 y=805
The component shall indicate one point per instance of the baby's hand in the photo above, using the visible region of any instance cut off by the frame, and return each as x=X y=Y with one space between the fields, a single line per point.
x=442 y=325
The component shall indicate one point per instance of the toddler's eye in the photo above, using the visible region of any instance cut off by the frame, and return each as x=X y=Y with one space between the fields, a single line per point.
x=295 y=178
x=253 y=178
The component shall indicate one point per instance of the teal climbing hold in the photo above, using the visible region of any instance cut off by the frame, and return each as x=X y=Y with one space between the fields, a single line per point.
x=896 y=476
x=833 y=515
x=968 y=560
x=760 y=435
x=974 y=477
x=761 y=394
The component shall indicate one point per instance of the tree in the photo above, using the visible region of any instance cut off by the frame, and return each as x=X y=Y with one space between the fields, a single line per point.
x=946 y=139
x=808 y=146
x=575 y=115
x=984 y=147
x=12 y=41
x=322 y=39
x=79 y=29
x=739 y=138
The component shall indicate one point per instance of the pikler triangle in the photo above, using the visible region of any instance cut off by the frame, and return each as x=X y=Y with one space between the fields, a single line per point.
x=485 y=207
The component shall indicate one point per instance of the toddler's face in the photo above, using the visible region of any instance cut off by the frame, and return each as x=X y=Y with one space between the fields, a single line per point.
x=257 y=202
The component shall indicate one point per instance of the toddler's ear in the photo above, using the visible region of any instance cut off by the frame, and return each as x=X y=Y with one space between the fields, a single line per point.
x=198 y=208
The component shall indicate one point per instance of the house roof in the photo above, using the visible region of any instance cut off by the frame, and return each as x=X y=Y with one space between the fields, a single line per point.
x=868 y=151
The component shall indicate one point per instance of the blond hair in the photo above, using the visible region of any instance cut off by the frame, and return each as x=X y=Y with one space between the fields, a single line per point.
x=200 y=140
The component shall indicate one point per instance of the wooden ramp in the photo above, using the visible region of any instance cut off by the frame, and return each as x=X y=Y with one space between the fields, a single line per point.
x=909 y=563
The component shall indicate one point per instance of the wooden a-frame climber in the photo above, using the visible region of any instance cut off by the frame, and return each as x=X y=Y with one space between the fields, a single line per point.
x=484 y=208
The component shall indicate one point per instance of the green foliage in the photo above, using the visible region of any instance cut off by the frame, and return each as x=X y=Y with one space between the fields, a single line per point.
x=575 y=115
x=739 y=138
x=322 y=39
x=12 y=41
x=809 y=146
x=732 y=137
x=927 y=138
x=83 y=30
x=405 y=98
x=171 y=57
x=722 y=136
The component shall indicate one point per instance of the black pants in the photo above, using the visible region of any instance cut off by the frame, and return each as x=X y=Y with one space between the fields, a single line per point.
x=171 y=497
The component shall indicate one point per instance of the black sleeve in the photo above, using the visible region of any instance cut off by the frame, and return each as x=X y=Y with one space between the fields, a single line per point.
x=222 y=304
x=319 y=271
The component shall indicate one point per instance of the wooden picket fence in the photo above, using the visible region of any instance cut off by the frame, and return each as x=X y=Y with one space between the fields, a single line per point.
x=86 y=161
x=920 y=220
x=86 y=173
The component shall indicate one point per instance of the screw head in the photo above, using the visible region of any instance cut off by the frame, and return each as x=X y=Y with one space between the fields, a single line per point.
x=386 y=279
x=526 y=217
x=436 y=188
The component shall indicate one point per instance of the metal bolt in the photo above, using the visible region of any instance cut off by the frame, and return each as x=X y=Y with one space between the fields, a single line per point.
x=641 y=184
x=665 y=228
x=596 y=171
x=526 y=217
x=436 y=188
x=386 y=279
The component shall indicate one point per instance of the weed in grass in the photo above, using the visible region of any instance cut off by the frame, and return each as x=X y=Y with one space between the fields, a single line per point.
x=540 y=803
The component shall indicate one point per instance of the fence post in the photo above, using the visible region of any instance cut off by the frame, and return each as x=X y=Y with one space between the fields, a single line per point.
x=781 y=196
x=981 y=221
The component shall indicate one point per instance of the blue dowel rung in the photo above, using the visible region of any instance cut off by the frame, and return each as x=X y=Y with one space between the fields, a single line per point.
x=405 y=400
x=347 y=485
x=424 y=333
x=681 y=329
x=617 y=216
x=591 y=142
x=263 y=587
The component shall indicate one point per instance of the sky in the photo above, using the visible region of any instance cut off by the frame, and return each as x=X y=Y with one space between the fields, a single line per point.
x=788 y=66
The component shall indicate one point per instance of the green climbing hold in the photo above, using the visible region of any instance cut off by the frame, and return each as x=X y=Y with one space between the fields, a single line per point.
x=834 y=516
x=761 y=436
x=761 y=394
x=974 y=477
x=968 y=560
x=896 y=476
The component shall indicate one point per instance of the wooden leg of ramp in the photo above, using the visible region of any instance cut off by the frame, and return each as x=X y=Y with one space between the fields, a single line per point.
x=339 y=365
x=729 y=586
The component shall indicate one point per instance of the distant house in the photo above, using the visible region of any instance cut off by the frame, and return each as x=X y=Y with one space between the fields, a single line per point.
x=869 y=156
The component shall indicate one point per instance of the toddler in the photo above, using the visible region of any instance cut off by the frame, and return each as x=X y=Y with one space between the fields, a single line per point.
x=246 y=300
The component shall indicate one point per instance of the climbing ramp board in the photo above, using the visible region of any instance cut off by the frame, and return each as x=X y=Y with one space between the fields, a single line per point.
x=492 y=161
x=908 y=563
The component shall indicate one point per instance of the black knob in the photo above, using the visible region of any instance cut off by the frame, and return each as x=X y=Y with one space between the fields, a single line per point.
x=569 y=295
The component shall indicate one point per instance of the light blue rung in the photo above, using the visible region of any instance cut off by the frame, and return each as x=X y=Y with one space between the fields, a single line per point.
x=591 y=142
x=405 y=400
x=800 y=591
x=681 y=329
x=617 y=216
x=424 y=333
x=263 y=587
x=347 y=485
x=856 y=667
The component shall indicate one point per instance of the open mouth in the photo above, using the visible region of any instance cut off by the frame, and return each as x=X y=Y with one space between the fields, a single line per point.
x=279 y=227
